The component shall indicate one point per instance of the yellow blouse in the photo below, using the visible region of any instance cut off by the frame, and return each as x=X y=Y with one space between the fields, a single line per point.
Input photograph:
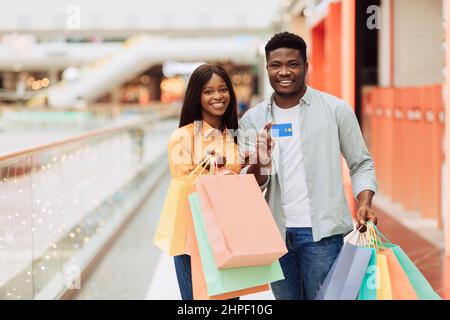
x=188 y=146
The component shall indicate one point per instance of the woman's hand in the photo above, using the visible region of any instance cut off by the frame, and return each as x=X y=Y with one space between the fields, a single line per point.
x=217 y=157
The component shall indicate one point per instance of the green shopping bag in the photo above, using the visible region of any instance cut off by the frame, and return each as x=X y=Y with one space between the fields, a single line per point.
x=219 y=281
x=368 y=290
x=421 y=285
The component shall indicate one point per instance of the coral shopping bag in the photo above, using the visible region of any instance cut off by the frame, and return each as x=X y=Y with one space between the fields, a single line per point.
x=239 y=224
x=219 y=281
x=421 y=286
x=401 y=287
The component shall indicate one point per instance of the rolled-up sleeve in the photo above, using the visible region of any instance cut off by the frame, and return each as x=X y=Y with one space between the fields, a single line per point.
x=355 y=152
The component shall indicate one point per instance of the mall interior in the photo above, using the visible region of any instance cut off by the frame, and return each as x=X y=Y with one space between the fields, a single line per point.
x=90 y=92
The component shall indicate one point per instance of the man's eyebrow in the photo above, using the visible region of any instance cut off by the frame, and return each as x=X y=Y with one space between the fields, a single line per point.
x=279 y=61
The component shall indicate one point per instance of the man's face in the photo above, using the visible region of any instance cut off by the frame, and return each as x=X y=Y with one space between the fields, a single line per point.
x=287 y=71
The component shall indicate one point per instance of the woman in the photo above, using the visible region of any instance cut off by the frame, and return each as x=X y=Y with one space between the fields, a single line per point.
x=208 y=120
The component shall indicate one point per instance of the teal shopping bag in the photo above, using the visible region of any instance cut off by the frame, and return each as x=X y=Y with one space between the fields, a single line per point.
x=219 y=281
x=368 y=290
x=420 y=284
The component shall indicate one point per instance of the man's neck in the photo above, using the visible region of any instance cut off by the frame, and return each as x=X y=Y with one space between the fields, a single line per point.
x=286 y=102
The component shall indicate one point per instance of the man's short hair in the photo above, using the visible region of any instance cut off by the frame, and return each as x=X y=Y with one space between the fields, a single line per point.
x=286 y=40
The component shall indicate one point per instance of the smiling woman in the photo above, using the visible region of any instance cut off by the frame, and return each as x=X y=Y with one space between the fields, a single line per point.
x=208 y=117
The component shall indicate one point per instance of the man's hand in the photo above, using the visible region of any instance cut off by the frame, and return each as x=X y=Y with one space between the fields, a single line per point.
x=365 y=212
x=264 y=145
x=262 y=167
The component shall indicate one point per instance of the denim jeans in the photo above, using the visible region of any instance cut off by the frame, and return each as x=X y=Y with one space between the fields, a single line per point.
x=306 y=264
x=183 y=270
x=184 y=276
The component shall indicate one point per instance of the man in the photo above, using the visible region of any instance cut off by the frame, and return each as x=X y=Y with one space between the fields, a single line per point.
x=299 y=165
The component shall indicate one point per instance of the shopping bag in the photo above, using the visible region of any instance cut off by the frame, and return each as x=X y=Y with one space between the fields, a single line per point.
x=171 y=234
x=238 y=222
x=345 y=277
x=401 y=287
x=382 y=279
x=199 y=289
x=219 y=281
x=371 y=280
x=421 y=286
x=384 y=290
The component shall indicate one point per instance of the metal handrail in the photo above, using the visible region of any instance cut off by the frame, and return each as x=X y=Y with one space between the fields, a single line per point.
x=91 y=134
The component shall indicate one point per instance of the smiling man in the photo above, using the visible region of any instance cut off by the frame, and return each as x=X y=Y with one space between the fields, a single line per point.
x=298 y=137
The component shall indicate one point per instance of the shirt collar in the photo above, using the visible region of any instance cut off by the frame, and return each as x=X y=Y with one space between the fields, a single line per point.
x=208 y=131
x=306 y=98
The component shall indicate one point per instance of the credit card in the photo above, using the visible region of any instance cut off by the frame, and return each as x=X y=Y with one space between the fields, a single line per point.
x=282 y=130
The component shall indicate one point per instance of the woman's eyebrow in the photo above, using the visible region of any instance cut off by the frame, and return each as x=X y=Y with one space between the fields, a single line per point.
x=220 y=85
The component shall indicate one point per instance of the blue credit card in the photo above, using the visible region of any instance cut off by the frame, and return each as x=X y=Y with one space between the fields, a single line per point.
x=282 y=130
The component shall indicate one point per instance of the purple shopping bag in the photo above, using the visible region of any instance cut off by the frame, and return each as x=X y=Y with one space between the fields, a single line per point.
x=344 y=279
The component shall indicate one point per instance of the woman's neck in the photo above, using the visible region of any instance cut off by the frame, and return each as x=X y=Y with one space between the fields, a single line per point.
x=215 y=122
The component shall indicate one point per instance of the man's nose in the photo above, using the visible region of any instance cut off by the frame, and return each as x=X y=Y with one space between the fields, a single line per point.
x=284 y=70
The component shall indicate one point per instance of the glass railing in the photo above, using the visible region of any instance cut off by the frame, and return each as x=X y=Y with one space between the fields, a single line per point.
x=61 y=202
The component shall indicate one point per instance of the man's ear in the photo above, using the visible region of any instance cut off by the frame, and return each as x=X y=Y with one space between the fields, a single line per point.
x=306 y=67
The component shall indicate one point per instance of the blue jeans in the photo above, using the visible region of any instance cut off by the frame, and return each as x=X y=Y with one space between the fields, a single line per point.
x=184 y=276
x=306 y=264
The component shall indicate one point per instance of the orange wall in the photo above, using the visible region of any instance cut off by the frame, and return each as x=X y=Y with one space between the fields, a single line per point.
x=348 y=51
x=316 y=77
x=447 y=139
x=333 y=51
x=326 y=53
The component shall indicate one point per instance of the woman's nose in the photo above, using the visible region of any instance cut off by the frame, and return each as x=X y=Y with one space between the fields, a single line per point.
x=217 y=95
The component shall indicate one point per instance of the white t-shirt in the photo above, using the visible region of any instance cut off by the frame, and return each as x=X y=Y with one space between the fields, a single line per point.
x=295 y=195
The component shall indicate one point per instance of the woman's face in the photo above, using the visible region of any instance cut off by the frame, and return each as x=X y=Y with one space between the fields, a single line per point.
x=215 y=97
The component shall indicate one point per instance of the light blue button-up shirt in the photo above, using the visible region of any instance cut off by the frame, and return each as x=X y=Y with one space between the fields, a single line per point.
x=328 y=129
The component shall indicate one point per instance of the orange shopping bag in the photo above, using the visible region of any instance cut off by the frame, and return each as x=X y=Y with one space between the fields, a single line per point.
x=239 y=224
x=401 y=287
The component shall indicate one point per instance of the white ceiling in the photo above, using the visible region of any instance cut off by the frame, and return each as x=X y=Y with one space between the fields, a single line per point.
x=137 y=15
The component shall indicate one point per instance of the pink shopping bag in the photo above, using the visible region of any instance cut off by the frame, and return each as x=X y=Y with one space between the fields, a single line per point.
x=239 y=224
